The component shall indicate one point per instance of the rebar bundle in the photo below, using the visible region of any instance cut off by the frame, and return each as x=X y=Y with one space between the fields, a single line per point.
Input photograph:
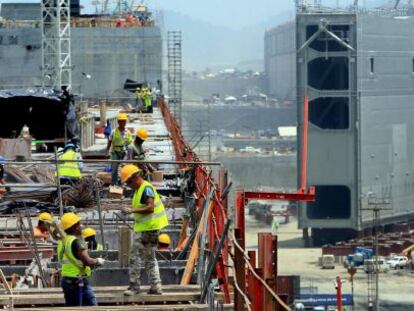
x=83 y=193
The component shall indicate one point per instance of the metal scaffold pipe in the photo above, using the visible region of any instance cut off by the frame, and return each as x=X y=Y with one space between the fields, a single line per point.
x=42 y=162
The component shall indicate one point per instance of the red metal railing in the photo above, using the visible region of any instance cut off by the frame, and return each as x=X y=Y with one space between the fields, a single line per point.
x=204 y=184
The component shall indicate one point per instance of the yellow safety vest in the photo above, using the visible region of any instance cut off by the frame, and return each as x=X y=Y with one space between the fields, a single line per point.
x=69 y=169
x=71 y=266
x=149 y=222
x=99 y=247
x=118 y=142
x=147 y=101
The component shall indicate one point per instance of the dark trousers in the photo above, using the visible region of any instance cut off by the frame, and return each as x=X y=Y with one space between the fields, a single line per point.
x=78 y=292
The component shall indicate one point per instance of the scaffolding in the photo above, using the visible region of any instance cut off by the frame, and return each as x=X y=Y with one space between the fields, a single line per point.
x=56 y=58
x=175 y=74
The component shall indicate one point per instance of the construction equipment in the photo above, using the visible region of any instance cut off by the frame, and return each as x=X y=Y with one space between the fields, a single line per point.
x=358 y=257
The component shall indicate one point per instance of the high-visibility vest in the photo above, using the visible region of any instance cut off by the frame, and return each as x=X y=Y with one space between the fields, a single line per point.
x=99 y=247
x=139 y=152
x=118 y=142
x=149 y=222
x=71 y=266
x=69 y=169
x=147 y=101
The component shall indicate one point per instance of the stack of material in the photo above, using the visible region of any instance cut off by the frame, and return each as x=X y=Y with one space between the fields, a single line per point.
x=15 y=174
x=83 y=194
x=43 y=175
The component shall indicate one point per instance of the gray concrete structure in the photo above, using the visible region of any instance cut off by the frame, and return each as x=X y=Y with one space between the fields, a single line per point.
x=358 y=71
x=20 y=11
x=280 y=61
x=108 y=55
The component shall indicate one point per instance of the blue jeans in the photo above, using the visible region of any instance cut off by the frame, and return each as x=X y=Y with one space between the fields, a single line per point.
x=76 y=294
x=114 y=167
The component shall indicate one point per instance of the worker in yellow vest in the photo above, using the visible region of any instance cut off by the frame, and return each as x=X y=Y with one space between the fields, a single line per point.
x=89 y=235
x=76 y=264
x=118 y=142
x=40 y=231
x=136 y=150
x=147 y=100
x=149 y=218
x=69 y=172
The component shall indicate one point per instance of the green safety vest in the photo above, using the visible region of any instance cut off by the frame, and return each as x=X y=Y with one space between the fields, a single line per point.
x=71 y=266
x=119 y=142
x=149 y=222
x=69 y=169
x=147 y=101
x=99 y=247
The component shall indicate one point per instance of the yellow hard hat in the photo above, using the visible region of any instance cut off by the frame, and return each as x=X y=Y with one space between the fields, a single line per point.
x=164 y=238
x=128 y=171
x=142 y=133
x=68 y=220
x=88 y=232
x=122 y=117
x=45 y=216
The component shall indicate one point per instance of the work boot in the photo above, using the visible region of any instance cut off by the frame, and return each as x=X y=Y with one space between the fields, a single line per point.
x=155 y=290
x=131 y=291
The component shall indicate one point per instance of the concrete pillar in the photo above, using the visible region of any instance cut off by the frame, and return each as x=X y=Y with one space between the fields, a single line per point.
x=124 y=243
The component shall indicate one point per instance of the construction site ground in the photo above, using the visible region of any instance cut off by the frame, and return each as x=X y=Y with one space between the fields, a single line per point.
x=396 y=286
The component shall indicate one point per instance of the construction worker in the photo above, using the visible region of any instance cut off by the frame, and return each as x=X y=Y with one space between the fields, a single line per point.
x=69 y=172
x=40 y=231
x=89 y=235
x=118 y=141
x=138 y=97
x=76 y=264
x=2 y=189
x=147 y=100
x=136 y=150
x=164 y=242
x=150 y=217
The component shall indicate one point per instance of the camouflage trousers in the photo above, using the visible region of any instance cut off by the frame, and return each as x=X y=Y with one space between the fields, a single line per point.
x=143 y=249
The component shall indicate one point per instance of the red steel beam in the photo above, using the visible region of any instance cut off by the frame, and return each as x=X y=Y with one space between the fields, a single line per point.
x=240 y=221
x=298 y=196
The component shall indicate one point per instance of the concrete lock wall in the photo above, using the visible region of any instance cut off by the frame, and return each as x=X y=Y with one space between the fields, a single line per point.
x=360 y=116
x=108 y=55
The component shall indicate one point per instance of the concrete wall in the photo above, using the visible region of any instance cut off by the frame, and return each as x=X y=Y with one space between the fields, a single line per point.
x=20 y=11
x=280 y=61
x=109 y=55
x=387 y=113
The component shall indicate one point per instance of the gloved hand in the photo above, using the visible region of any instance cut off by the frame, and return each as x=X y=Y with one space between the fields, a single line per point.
x=100 y=262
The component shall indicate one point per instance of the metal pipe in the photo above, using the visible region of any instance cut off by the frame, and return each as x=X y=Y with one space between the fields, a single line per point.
x=115 y=161
x=101 y=224
x=59 y=188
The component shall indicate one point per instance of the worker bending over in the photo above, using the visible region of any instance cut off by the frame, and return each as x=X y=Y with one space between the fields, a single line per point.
x=118 y=141
x=76 y=264
x=149 y=218
x=69 y=172
x=41 y=231
x=136 y=150
x=89 y=235
x=164 y=242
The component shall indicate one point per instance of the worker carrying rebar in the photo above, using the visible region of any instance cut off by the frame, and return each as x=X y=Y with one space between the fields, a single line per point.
x=89 y=235
x=41 y=231
x=76 y=264
x=69 y=172
x=136 y=150
x=149 y=218
x=164 y=242
x=118 y=142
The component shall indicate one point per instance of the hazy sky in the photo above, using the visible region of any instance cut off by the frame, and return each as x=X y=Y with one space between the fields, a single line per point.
x=231 y=13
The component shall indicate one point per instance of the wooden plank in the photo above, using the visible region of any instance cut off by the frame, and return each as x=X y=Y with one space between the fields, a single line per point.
x=103 y=298
x=106 y=289
x=192 y=258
